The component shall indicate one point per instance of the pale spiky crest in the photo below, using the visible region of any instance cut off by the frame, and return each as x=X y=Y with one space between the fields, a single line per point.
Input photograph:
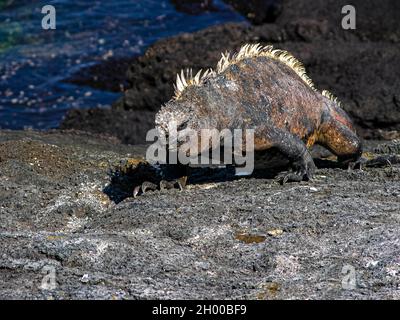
x=330 y=96
x=247 y=51
x=256 y=50
x=224 y=62
x=182 y=81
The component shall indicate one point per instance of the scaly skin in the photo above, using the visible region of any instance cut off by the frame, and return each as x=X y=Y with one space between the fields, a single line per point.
x=267 y=95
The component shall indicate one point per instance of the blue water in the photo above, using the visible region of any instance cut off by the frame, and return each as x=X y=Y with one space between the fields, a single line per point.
x=34 y=62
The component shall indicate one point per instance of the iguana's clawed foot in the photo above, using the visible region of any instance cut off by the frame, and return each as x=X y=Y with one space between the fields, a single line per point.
x=144 y=187
x=181 y=183
x=288 y=176
x=294 y=176
x=356 y=165
x=378 y=162
x=164 y=185
x=383 y=161
x=303 y=169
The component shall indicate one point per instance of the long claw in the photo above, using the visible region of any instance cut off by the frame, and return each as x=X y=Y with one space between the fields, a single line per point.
x=148 y=186
x=357 y=165
x=289 y=176
x=383 y=161
x=182 y=182
x=136 y=191
x=284 y=177
x=144 y=187
x=166 y=185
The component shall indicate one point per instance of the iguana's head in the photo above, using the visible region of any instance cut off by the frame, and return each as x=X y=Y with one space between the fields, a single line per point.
x=177 y=120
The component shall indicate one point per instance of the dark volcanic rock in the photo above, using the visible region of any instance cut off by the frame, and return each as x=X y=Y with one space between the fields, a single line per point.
x=375 y=20
x=106 y=75
x=248 y=238
x=258 y=11
x=359 y=66
x=151 y=76
x=128 y=126
x=364 y=76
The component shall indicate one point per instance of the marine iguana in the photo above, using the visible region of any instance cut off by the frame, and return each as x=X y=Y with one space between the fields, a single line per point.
x=268 y=90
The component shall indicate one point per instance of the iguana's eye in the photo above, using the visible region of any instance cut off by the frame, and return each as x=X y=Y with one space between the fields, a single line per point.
x=183 y=125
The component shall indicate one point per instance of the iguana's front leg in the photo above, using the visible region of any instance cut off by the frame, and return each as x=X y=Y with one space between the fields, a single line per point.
x=170 y=182
x=293 y=148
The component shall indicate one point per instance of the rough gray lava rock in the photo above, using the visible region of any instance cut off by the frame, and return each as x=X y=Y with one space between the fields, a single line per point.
x=65 y=204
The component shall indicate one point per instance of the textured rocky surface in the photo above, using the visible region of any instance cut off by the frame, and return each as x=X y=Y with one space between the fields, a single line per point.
x=65 y=204
x=359 y=66
x=258 y=11
x=129 y=126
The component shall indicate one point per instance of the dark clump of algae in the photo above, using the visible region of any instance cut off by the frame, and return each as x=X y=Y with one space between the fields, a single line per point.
x=5 y=3
x=9 y=33
x=269 y=291
x=249 y=238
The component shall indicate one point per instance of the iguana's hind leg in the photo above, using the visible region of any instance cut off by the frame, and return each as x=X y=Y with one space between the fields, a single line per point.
x=293 y=148
x=341 y=140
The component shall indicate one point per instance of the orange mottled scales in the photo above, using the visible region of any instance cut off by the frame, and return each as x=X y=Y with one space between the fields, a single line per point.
x=267 y=90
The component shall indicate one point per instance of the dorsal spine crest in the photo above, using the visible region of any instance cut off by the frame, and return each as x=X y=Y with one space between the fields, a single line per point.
x=247 y=51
